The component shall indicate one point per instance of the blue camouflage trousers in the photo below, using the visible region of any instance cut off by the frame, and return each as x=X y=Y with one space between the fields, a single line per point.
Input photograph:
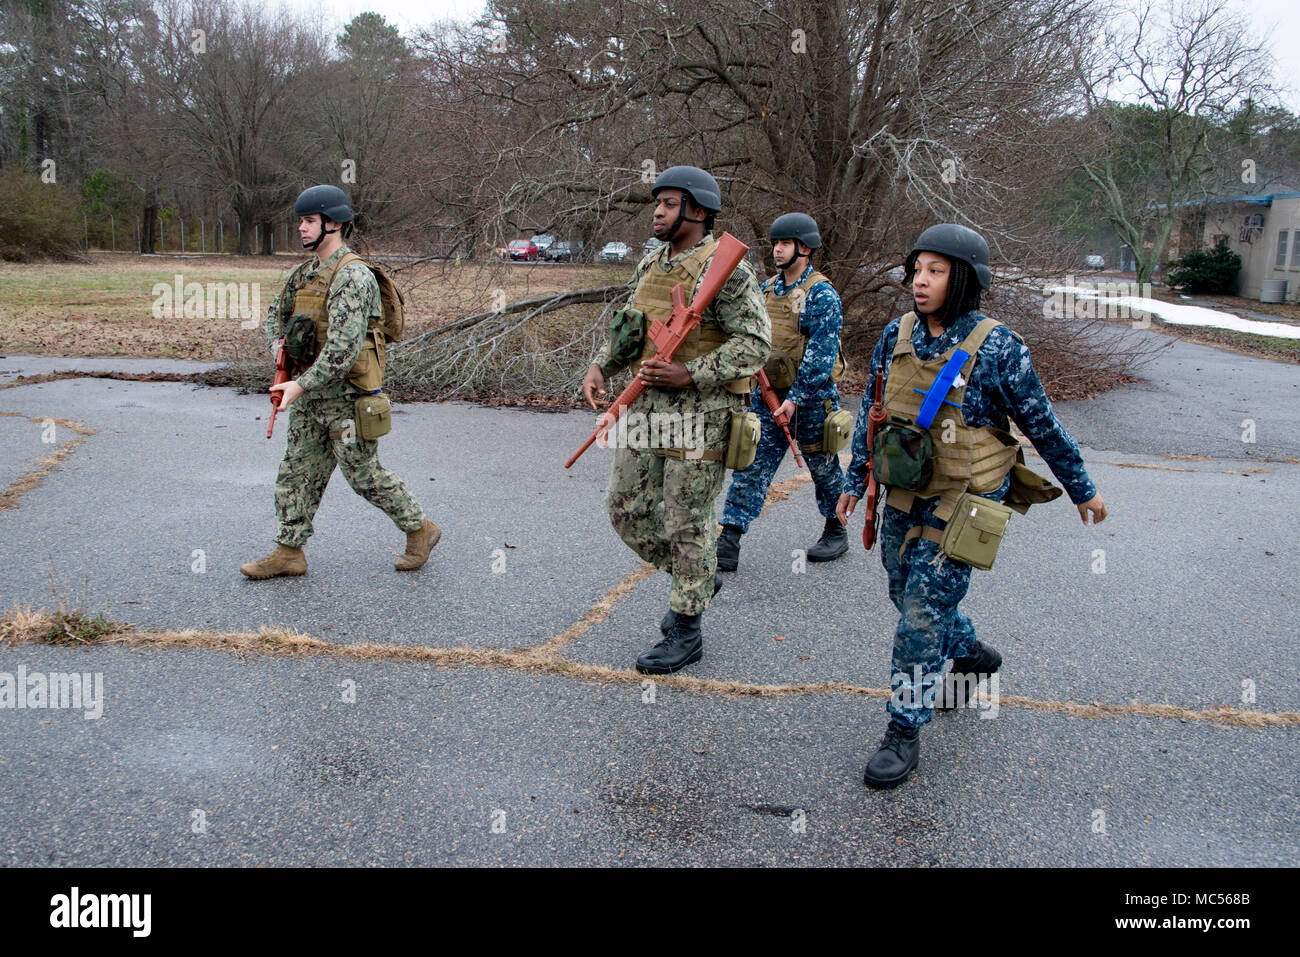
x=749 y=487
x=925 y=586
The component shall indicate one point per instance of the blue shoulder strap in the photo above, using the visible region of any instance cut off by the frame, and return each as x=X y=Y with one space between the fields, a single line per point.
x=939 y=390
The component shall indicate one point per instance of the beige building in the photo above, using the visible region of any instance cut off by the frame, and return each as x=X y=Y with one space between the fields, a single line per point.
x=1263 y=230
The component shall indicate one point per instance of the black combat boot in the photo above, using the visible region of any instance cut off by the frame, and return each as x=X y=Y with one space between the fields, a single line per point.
x=683 y=645
x=672 y=615
x=894 y=762
x=833 y=543
x=966 y=674
x=729 y=547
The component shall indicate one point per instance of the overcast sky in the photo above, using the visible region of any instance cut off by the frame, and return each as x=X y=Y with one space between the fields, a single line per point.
x=1276 y=20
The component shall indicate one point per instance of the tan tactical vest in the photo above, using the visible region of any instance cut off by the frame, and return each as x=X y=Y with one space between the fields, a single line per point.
x=654 y=297
x=312 y=300
x=788 y=342
x=972 y=459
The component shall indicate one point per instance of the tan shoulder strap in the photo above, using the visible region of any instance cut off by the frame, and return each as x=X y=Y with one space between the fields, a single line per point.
x=903 y=345
x=971 y=344
x=695 y=262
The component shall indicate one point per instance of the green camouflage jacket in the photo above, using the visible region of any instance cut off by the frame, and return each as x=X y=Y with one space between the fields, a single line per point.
x=740 y=310
x=354 y=298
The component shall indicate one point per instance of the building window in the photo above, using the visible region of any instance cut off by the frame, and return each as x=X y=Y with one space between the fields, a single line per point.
x=1281 y=248
x=1295 y=249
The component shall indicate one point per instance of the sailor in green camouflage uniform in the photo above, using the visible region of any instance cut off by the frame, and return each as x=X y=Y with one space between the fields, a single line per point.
x=339 y=304
x=708 y=380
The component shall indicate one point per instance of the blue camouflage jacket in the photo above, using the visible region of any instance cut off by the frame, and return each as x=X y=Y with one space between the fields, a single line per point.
x=821 y=321
x=1002 y=384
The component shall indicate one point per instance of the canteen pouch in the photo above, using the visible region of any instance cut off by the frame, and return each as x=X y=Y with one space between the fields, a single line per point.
x=626 y=334
x=837 y=433
x=975 y=531
x=781 y=369
x=300 y=343
x=373 y=415
x=742 y=445
x=903 y=455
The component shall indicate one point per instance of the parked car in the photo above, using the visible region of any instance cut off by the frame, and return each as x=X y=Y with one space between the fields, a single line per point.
x=1094 y=262
x=543 y=241
x=651 y=245
x=615 y=252
x=563 y=252
x=524 y=249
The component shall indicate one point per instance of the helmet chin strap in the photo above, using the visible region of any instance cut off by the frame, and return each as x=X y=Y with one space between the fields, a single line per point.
x=677 y=223
x=319 y=239
x=783 y=266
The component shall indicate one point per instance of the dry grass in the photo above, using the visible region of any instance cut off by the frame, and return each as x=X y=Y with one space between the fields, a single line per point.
x=11 y=496
x=105 y=307
x=22 y=625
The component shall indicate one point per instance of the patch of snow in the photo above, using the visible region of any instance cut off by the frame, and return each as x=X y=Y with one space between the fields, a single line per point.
x=1178 y=315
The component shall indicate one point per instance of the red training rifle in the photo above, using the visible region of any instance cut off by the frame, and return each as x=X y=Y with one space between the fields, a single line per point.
x=773 y=403
x=667 y=336
x=875 y=419
x=281 y=377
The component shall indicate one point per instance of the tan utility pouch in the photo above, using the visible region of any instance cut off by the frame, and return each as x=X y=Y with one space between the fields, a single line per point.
x=373 y=415
x=781 y=369
x=837 y=433
x=975 y=531
x=742 y=445
x=367 y=373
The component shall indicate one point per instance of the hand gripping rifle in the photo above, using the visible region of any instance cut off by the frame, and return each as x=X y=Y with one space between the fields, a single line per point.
x=875 y=419
x=281 y=377
x=773 y=403
x=667 y=336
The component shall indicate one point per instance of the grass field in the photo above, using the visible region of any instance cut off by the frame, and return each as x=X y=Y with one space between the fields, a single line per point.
x=106 y=307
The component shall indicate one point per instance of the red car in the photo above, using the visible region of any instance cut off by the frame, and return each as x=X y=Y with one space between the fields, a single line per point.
x=524 y=249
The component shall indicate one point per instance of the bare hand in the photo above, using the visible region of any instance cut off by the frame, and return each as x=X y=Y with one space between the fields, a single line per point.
x=1097 y=507
x=289 y=392
x=665 y=375
x=845 y=507
x=593 y=385
x=786 y=408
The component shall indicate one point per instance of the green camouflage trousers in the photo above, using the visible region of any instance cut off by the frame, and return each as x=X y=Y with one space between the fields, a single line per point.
x=663 y=508
x=310 y=455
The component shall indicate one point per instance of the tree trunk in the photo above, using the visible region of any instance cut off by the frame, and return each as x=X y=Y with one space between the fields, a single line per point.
x=266 y=228
x=245 y=245
x=149 y=223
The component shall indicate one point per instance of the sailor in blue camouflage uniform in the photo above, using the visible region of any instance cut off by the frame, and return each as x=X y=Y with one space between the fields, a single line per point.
x=947 y=269
x=803 y=367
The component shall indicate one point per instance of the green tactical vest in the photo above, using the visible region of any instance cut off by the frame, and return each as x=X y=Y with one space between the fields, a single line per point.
x=312 y=300
x=788 y=342
x=654 y=297
x=973 y=459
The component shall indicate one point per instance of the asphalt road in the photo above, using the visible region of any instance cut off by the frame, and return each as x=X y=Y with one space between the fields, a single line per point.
x=1184 y=596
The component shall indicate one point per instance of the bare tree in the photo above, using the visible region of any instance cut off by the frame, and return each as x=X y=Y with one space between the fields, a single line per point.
x=237 y=96
x=1156 y=89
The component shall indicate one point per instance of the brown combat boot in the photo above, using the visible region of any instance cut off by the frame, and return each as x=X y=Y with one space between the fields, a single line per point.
x=418 y=545
x=283 y=561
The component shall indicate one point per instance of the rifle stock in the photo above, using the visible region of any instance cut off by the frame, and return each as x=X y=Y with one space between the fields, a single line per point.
x=667 y=336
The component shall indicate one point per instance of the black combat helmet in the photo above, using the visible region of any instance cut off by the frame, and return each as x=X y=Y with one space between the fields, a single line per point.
x=331 y=203
x=958 y=242
x=702 y=188
x=798 y=226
